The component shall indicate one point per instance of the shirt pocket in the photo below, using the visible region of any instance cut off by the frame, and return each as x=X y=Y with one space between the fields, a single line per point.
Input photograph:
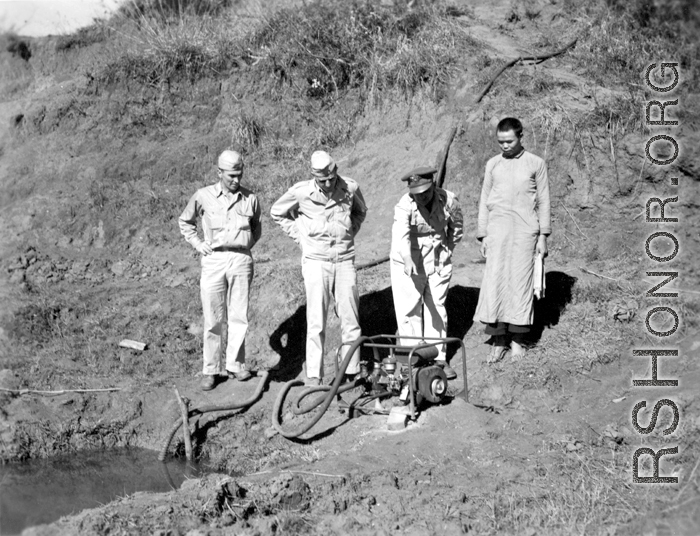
x=215 y=221
x=243 y=217
x=342 y=217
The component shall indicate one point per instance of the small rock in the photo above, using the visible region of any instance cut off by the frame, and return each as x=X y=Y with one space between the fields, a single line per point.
x=573 y=445
x=177 y=281
x=118 y=268
x=397 y=419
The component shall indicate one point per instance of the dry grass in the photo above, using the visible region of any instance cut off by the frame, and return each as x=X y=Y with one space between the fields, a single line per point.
x=161 y=48
x=372 y=48
x=622 y=38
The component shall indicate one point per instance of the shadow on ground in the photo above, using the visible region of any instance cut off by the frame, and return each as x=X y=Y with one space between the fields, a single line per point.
x=548 y=310
x=377 y=317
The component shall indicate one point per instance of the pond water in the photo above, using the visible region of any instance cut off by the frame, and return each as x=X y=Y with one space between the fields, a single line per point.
x=41 y=491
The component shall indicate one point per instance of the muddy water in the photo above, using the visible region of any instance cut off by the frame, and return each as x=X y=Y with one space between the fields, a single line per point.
x=42 y=491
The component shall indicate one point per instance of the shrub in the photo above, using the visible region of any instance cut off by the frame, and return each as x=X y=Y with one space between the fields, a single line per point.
x=17 y=46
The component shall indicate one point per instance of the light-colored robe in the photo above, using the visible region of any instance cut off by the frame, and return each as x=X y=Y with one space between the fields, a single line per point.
x=513 y=210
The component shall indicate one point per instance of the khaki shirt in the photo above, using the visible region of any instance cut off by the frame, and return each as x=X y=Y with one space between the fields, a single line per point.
x=228 y=220
x=325 y=226
x=427 y=238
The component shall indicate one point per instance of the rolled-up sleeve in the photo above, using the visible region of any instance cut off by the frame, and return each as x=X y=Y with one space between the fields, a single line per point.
x=283 y=211
x=188 y=221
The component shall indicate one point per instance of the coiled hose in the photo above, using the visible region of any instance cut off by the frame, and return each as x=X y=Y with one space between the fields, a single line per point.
x=214 y=407
x=331 y=390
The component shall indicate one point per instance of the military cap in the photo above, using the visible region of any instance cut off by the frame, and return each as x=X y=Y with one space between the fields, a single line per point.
x=231 y=161
x=322 y=165
x=420 y=179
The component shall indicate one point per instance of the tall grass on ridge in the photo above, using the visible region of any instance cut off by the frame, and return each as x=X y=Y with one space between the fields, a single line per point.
x=319 y=49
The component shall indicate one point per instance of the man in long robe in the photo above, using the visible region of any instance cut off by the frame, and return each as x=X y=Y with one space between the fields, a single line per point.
x=513 y=225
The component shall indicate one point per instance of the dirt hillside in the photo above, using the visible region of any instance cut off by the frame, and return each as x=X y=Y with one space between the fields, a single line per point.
x=104 y=135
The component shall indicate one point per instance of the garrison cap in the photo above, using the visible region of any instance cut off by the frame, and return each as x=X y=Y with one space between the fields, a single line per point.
x=231 y=161
x=322 y=165
x=420 y=179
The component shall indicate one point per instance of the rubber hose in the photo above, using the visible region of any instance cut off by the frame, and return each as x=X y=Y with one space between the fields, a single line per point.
x=370 y=264
x=326 y=401
x=298 y=410
x=366 y=399
x=214 y=407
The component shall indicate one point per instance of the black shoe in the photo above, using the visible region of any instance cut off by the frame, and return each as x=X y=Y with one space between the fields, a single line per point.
x=208 y=382
x=450 y=373
x=242 y=376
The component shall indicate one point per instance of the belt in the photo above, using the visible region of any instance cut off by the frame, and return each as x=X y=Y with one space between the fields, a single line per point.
x=232 y=248
x=334 y=260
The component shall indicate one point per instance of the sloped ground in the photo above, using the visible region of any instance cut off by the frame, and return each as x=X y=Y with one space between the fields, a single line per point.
x=96 y=169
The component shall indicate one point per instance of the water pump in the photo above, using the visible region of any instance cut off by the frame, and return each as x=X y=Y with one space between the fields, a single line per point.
x=409 y=372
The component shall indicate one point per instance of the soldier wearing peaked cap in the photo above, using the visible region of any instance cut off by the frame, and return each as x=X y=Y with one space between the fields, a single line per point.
x=230 y=216
x=427 y=226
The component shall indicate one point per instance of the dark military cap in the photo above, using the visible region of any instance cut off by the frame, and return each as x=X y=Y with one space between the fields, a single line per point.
x=419 y=179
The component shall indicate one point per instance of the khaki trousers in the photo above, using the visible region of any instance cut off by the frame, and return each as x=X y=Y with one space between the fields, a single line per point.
x=224 y=288
x=322 y=280
x=421 y=295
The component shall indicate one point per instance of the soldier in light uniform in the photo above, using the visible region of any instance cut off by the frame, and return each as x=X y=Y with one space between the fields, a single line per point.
x=323 y=215
x=427 y=226
x=230 y=216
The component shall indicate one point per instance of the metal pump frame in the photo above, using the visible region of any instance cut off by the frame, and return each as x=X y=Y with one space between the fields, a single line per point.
x=404 y=355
